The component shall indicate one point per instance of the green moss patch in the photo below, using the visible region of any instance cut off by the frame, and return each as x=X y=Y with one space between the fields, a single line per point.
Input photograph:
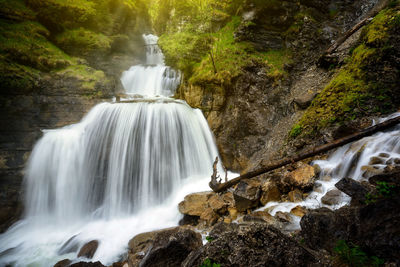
x=360 y=88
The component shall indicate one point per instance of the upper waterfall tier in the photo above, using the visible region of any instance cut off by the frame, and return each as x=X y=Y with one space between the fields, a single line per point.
x=153 y=78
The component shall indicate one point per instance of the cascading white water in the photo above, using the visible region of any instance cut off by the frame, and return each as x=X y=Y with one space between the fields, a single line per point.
x=352 y=161
x=122 y=170
x=153 y=78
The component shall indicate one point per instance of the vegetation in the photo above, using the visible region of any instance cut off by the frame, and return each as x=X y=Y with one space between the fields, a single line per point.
x=384 y=190
x=353 y=256
x=356 y=90
x=208 y=263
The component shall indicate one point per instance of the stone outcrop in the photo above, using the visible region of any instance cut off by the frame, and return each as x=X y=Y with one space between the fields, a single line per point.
x=252 y=245
x=168 y=247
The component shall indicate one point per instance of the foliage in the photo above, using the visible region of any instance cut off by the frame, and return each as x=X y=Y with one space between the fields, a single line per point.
x=354 y=256
x=296 y=130
x=354 y=91
x=208 y=263
x=83 y=40
x=384 y=190
x=25 y=43
x=209 y=238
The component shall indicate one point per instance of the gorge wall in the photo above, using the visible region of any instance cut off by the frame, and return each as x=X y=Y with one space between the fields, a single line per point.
x=252 y=68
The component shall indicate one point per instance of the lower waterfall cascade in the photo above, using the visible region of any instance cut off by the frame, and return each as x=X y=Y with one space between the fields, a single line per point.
x=125 y=167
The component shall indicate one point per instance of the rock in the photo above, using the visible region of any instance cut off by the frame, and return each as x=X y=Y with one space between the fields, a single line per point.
x=251 y=245
x=247 y=194
x=195 y=204
x=261 y=216
x=302 y=178
x=87 y=264
x=270 y=192
x=209 y=216
x=217 y=204
x=189 y=220
x=373 y=227
x=384 y=155
x=170 y=247
x=376 y=160
x=233 y=213
x=298 y=211
x=354 y=189
x=332 y=197
x=63 y=263
x=295 y=196
x=283 y=217
x=89 y=249
x=138 y=246
x=370 y=171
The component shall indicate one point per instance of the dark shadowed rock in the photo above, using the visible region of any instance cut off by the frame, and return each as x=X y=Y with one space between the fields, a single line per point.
x=89 y=249
x=374 y=227
x=170 y=247
x=252 y=245
x=247 y=194
x=63 y=263
x=87 y=264
x=352 y=188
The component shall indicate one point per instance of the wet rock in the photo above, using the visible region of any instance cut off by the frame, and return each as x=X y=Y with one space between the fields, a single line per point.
x=332 y=197
x=298 y=211
x=376 y=160
x=89 y=249
x=283 y=217
x=354 y=189
x=138 y=246
x=195 y=204
x=87 y=264
x=261 y=216
x=170 y=247
x=295 y=196
x=189 y=220
x=270 y=192
x=303 y=177
x=251 y=245
x=384 y=155
x=369 y=171
x=63 y=263
x=247 y=194
x=209 y=217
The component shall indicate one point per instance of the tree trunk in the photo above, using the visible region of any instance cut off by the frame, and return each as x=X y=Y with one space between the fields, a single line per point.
x=218 y=187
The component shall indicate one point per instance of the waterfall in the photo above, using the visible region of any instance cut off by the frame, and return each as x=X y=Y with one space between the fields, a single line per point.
x=122 y=170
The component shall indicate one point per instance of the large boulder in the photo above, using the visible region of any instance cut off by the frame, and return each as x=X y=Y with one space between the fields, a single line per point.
x=270 y=192
x=251 y=245
x=332 y=197
x=87 y=264
x=195 y=204
x=355 y=189
x=89 y=249
x=374 y=227
x=303 y=177
x=247 y=194
x=167 y=247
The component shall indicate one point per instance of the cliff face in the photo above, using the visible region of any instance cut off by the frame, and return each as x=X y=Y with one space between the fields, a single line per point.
x=57 y=60
x=257 y=78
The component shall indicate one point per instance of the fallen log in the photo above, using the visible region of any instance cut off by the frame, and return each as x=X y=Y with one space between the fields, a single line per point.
x=218 y=187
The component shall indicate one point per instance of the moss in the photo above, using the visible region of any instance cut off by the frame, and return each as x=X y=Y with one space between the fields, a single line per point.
x=16 y=10
x=88 y=77
x=80 y=41
x=16 y=77
x=25 y=43
x=356 y=90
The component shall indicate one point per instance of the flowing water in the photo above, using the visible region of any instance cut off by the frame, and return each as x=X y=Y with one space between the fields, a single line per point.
x=121 y=171
x=358 y=160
